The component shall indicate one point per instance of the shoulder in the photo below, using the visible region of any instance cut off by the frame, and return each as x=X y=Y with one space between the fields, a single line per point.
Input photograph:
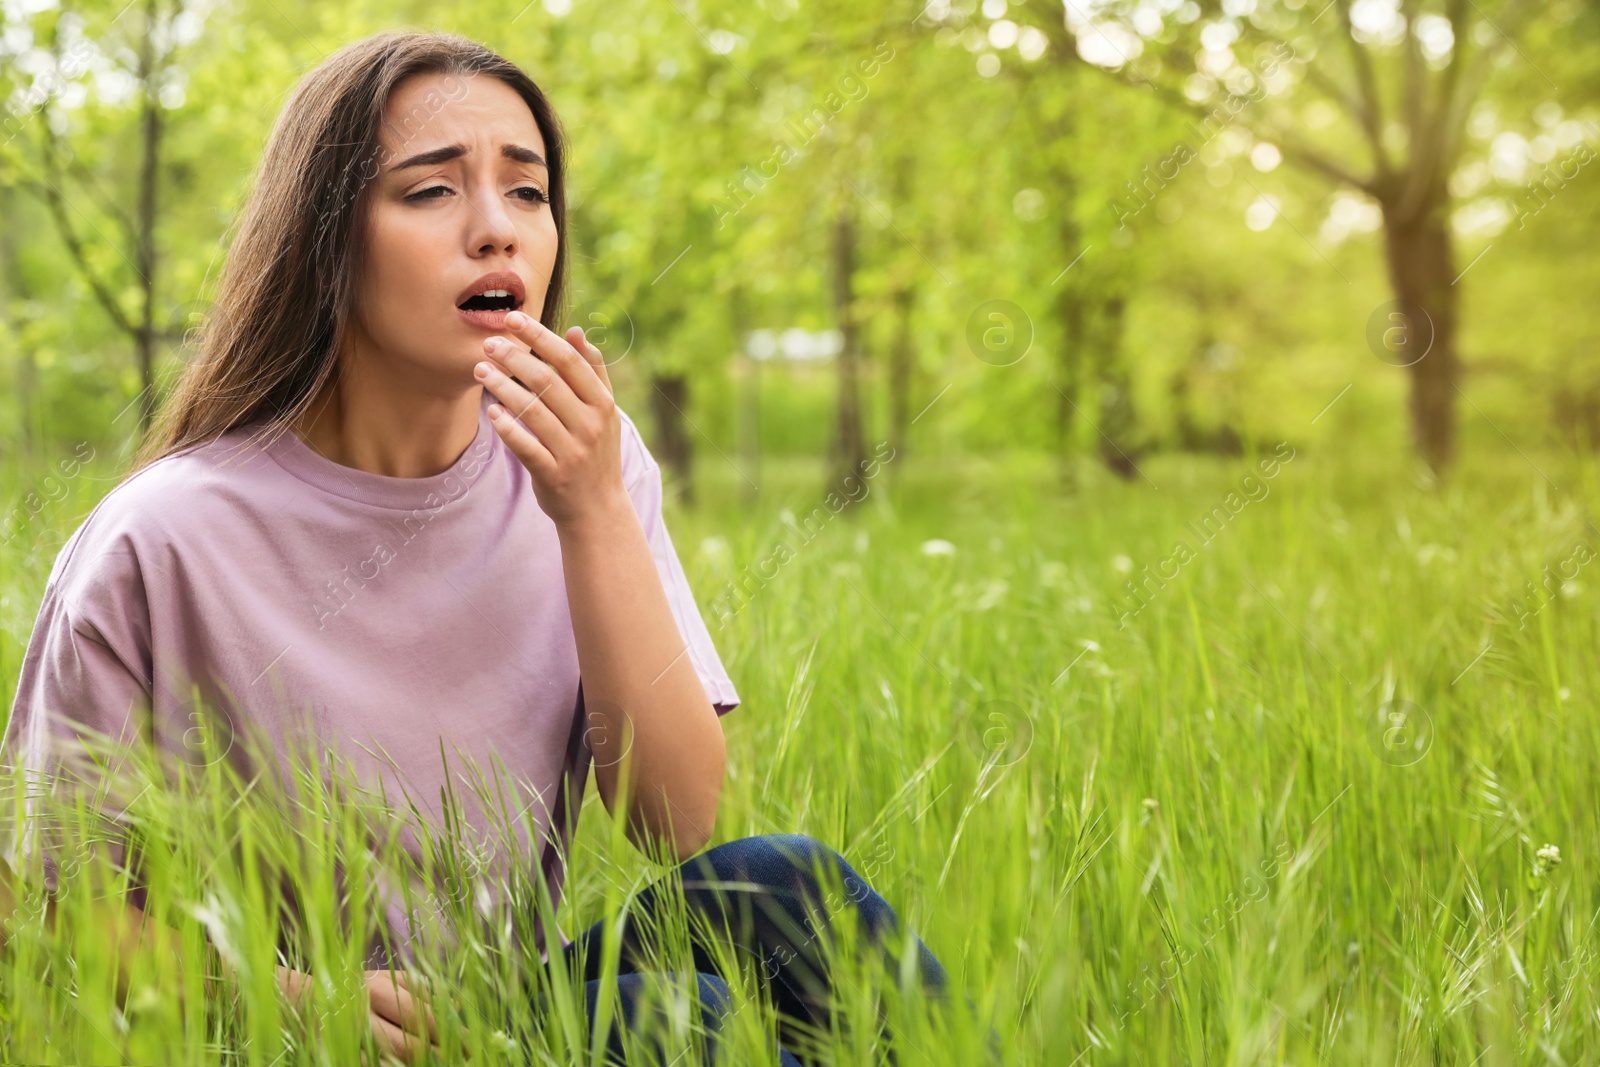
x=141 y=521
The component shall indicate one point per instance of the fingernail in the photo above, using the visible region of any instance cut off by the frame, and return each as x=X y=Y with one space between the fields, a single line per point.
x=481 y=370
x=516 y=319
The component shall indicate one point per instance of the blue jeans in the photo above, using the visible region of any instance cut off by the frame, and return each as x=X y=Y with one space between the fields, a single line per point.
x=762 y=898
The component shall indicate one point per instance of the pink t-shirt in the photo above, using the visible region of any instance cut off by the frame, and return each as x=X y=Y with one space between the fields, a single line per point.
x=405 y=614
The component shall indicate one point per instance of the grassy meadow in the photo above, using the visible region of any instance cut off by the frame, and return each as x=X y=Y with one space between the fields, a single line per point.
x=1289 y=803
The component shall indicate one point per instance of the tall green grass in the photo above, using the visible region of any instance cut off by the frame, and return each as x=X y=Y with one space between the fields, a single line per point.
x=1291 y=811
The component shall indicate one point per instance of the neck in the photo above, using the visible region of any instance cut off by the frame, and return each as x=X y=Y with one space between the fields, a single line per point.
x=382 y=425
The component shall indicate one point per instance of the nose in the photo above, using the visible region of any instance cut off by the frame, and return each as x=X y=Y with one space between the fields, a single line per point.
x=491 y=226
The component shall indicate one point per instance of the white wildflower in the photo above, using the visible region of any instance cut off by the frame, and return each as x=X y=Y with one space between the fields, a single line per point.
x=1152 y=808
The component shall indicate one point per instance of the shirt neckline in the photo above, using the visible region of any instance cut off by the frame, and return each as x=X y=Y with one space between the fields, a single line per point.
x=381 y=490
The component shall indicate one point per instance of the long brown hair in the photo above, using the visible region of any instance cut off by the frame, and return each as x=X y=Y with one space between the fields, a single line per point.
x=270 y=342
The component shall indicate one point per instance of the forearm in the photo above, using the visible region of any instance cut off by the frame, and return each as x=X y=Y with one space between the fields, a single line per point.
x=129 y=931
x=646 y=706
x=395 y=1018
x=135 y=935
x=647 y=711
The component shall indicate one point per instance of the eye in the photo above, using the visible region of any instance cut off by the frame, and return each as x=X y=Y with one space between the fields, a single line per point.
x=538 y=194
x=422 y=194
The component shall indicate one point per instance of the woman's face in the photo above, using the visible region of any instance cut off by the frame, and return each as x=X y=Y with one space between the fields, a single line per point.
x=461 y=192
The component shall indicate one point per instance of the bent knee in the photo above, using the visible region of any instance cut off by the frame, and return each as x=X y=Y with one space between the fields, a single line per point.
x=802 y=854
x=715 y=996
x=777 y=862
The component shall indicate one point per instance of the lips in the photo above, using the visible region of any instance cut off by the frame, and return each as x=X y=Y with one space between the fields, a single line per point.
x=485 y=303
x=500 y=291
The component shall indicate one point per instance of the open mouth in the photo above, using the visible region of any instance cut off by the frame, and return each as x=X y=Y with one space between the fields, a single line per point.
x=486 y=301
x=493 y=300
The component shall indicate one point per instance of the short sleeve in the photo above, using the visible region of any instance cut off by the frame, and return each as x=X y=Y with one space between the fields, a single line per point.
x=642 y=477
x=78 y=684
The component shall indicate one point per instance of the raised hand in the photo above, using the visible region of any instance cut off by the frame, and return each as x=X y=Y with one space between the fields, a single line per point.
x=559 y=417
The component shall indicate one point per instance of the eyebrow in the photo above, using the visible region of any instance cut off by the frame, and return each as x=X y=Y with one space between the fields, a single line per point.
x=452 y=151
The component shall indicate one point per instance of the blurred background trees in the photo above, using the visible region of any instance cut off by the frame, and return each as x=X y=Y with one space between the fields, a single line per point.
x=1107 y=230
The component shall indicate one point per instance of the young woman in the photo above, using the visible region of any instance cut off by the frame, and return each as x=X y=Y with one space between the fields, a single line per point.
x=389 y=492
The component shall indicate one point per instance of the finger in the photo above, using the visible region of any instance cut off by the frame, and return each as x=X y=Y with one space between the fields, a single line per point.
x=382 y=999
x=556 y=351
x=596 y=359
x=526 y=407
x=427 y=1025
x=523 y=444
x=543 y=373
x=537 y=377
x=393 y=1000
x=416 y=984
x=393 y=1041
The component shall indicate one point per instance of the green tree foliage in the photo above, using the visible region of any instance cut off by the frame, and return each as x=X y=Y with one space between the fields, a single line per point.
x=1019 y=224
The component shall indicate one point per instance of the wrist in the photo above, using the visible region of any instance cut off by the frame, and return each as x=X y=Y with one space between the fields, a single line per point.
x=602 y=513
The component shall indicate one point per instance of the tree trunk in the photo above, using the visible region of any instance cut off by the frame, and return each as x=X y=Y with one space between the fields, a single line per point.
x=1190 y=439
x=749 y=374
x=144 y=339
x=1117 y=419
x=900 y=358
x=849 y=446
x=16 y=295
x=1062 y=156
x=668 y=399
x=902 y=348
x=1069 y=309
x=1420 y=257
x=1069 y=313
